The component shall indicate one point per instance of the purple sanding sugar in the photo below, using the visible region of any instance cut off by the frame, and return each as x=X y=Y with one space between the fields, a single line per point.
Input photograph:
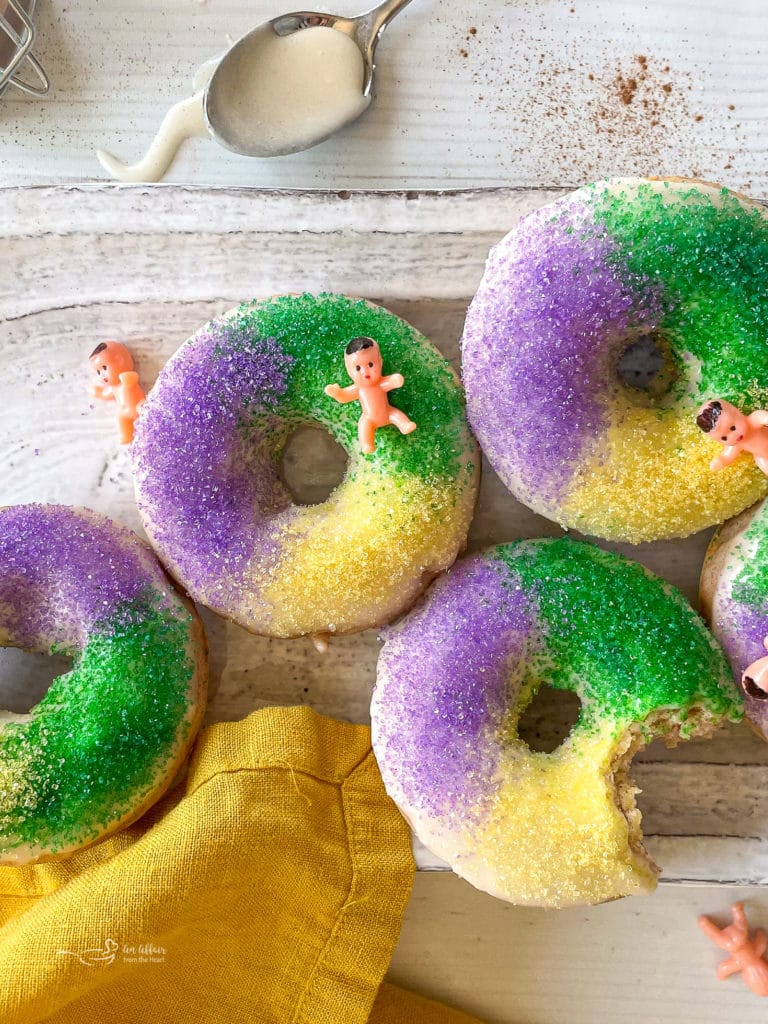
x=740 y=628
x=62 y=571
x=199 y=482
x=539 y=343
x=442 y=690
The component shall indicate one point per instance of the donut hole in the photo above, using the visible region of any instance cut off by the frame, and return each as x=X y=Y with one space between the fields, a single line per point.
x=312 y=465
x=647 y=369
x=549 y=718
x=26 y=678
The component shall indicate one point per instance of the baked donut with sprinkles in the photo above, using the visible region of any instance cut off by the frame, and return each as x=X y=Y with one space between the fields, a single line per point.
x=108 y=737
x=734 y=600
x=207 y=452
x=454 y=677
x=676 y=265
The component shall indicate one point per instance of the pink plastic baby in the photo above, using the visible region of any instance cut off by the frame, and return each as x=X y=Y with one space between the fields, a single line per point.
x=117 y=380
x=754 y=678
x=739 y=433
x=746 y=953
x=362 y=358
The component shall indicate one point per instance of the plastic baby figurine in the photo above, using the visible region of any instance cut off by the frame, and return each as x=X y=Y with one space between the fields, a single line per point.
x=739 y=433
x=746 y=953
x=362 y=358
x=754 y=678
x=113 y=365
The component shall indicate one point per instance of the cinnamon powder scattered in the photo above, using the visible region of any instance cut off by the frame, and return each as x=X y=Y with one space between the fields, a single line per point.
x=571 y=120
x=624 y=117
x=627 y=88
x=648 y=87
x=628 y=83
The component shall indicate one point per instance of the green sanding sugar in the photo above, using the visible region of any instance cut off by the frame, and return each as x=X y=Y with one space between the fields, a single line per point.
x=712 y=258
x=750 y=585
x=313 y=331
x=101 y=734
x=627 y=642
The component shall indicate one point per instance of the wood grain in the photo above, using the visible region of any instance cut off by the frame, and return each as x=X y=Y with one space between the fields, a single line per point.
x=638 y=961
x=525 y=93
x=149 y=266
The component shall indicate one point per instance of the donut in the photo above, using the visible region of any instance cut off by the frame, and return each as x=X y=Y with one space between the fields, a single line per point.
x=674 y=264
x=106 y=740
x=206 y=462
x=734 y=599
x=454 y=677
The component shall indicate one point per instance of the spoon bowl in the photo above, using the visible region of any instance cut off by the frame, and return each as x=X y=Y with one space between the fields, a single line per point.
x=284 y=87
x=366 y=29
x=255 y=107
x=276 y=93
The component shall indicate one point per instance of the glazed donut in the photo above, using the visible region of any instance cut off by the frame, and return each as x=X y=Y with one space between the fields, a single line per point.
x=734 y=600
x=563 y=296
x=545 y=829
x=206 y=458
x=106 y=740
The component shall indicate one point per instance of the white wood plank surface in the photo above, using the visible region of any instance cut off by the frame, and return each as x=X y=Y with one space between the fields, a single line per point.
x=147 y=266
x=545 y=95
x=542 y=92
x=636 y=961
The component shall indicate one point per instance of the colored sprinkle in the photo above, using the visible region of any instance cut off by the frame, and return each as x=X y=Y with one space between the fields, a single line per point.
x=92 y=750
x=552 y=829
x=625 y=641
x=101 y=735
x=740 y=603
x=711 y=254
x=564 y=294
x=221 y=516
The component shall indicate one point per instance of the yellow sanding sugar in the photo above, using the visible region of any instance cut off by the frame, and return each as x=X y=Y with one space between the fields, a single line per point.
x=16 y=786
x=338 y=556
x=655 y=481
x=556 y=836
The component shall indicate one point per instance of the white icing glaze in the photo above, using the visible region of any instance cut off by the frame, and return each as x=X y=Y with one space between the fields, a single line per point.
x=279 y=94
x=183 y=121
x=282 y=94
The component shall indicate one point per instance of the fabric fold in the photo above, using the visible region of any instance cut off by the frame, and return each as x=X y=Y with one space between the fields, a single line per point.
x=268 y=886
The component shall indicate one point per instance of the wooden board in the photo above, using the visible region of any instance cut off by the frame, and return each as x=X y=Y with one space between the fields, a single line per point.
x=147 y=266
x=524 y=93
x=638 y=961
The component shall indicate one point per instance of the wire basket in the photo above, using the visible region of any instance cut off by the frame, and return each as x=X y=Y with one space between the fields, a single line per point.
x=17 y=35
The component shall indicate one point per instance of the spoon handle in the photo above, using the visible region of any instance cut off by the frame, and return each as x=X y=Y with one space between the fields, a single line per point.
x=372 y=24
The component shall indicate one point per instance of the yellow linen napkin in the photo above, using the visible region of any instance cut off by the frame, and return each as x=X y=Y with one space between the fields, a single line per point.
x=396 y=1006
x=268 y=887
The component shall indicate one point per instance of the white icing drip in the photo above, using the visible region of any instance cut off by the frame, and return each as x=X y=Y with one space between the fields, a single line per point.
x=183 y=121
x=278 y=94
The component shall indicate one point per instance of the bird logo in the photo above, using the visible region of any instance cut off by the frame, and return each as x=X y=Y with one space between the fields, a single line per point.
x=92 y=957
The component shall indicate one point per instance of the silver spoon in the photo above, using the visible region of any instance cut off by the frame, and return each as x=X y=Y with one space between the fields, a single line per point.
x=239 y=101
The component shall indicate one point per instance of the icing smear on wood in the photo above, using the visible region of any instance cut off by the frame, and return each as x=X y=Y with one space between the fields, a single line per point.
x=272 y=96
